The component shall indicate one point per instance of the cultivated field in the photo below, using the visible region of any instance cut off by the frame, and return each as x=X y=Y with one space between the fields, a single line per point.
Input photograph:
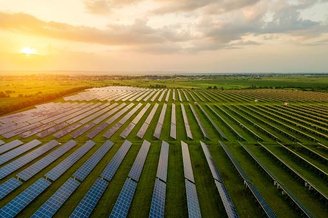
x=137 y=151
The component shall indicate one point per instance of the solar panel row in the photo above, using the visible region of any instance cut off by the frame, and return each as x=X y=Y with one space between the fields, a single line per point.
x=191 y=192
x=9 y=186
x=224 y=195
x=192 y=200
x=18 y=151
x=124 y=200
x=157 y=206
x=30 y=171
x=187 y=167
x=10 y=145
x=21 y=161
x=186 y=122
x=163 y=162
x=54 y=203
x=199 y=123
x=134 y=122
x=101 y=127
x=160 y=122
x=110 y=170
x=91 y=163
x=16 y=205
x=146 y=124
x=218 y=130
x=118 y=125
x=138 y=164
x=90 y=200
x=63 y=166
x=173 y=128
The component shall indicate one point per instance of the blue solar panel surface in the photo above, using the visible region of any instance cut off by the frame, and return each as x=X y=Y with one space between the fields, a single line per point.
x=15 y=206
x=9 y=186
x=90 y=200
x=54 y=203
x=163 y=162
x=18 y=151
x=30 y=171
x=124 y=200
x=187 y=168
x=157 y=207
x=192 y=200
x=138 y=164
x=21 y=161
x=92 y=162
x=116 y=161
x=10 y=145
x=63 y=166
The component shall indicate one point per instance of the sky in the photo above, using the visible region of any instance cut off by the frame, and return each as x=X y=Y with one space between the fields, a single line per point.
x=164 y=35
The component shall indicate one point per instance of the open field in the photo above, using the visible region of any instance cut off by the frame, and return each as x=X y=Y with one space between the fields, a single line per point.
x=17 y=92
x=270 y=147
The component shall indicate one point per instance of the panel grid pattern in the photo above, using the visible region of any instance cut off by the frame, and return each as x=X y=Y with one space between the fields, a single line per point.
x=54 y=203
x=91 y=163
x=16 y=205
x=114 y=164
x=29 y=172
x=192 y=200
x=63 y=166
x=157 y=207
x=90 y=200
x=123 y=203
x=138 y=164
x=9 y=186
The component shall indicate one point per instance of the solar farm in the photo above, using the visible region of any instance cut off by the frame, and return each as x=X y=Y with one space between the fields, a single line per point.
x=123 y=151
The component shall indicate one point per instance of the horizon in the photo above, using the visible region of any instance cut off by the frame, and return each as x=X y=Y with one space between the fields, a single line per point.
x=164 y=36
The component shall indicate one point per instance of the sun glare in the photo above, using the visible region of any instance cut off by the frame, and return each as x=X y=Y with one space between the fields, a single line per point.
x=28 y=51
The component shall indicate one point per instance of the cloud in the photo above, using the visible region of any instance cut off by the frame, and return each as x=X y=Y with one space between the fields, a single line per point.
x=211 y=6
x=217 y=24
x=137 y=33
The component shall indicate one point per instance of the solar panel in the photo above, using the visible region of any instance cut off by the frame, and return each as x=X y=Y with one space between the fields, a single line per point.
x=160 y=122
x=116 y=161
x=186 y=122
x=157 y=207
x=9 y=186
x=146 y=124
x=138 y=164
x=118 y=125
x=10 y=145
x=21 y=161
x=63 y=166
x=134 y=122
x=173 y=129
x=90 y=200
x=226 y=200
x=210 y=162
x=92 y=162
x=163 y=162
x=124 y=200
x=16 y=205
x=54 y=203
x=187 y=167
x=30 y=171
x=192 y=200
x=204 y=132
x=18 y=151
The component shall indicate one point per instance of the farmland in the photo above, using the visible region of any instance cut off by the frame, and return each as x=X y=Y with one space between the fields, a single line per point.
x=176 y=150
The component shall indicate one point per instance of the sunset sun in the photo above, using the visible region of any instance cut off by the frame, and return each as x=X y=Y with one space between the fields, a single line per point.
x=28 y=51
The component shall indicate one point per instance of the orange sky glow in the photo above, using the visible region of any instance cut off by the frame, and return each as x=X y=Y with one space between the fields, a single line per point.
x=164 y=35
